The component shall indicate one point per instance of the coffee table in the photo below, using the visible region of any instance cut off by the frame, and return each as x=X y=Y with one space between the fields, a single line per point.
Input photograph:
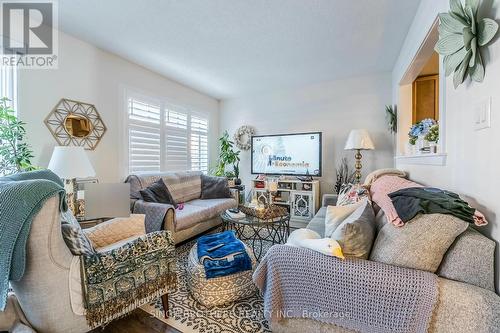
x=256 y=230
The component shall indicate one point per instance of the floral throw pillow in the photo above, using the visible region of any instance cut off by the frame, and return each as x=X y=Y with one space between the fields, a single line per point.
x=352 y=193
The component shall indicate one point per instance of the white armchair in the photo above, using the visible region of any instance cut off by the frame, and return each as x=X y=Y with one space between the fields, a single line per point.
x=50 y=292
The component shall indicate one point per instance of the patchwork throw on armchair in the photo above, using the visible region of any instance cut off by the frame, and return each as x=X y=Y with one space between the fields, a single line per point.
x=122 y=279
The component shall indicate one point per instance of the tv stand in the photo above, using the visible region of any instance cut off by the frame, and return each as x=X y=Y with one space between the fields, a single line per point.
x=302 y=198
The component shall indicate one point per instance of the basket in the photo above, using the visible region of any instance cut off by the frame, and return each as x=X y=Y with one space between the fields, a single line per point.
x=268 y=213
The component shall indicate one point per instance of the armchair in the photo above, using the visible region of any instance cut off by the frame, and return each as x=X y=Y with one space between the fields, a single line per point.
x=134 y=264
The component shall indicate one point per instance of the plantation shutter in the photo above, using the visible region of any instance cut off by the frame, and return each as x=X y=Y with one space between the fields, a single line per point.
x=199 y=143
x=165 y=137
x=144 y=133
x=176 y=142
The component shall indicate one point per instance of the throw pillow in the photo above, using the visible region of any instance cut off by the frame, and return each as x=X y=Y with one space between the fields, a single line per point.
x=420 y=244
x=214 y=187
x=379 y=192
x=335 y=215
x=356 y=234
x=76 y=241
x=352 y=193
x=158 y=192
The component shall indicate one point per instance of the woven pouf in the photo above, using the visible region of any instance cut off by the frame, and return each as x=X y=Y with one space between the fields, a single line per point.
x=220 y=290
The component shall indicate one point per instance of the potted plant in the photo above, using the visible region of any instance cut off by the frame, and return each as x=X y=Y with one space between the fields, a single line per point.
x=15 y=154
x=228 y=158
x=433 y=137
x=417 y=135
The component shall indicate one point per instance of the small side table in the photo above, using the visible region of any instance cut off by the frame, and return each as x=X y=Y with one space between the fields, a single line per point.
x=256 y=231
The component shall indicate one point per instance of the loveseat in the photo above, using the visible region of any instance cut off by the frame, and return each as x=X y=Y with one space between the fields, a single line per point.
x=197 y=215
x=466 y=301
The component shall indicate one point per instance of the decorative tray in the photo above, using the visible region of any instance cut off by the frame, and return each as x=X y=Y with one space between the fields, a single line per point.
x=269 y=212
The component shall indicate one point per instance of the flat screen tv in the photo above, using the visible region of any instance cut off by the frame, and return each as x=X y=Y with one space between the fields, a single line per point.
x=287 y=154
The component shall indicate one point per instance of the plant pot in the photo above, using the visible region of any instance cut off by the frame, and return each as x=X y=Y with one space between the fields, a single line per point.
x=237 y=181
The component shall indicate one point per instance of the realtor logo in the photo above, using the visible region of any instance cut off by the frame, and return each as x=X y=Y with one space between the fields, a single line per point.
x=29 y=34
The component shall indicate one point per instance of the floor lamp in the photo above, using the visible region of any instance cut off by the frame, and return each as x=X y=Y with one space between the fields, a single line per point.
x=359 y=140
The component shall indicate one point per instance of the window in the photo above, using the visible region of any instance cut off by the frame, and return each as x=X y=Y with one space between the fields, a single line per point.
x=165 y=137
x=8 y=87
x=8 y=84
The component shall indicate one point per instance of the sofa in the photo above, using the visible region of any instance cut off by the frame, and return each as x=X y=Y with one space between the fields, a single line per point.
x=467 y=301
x=197 y=216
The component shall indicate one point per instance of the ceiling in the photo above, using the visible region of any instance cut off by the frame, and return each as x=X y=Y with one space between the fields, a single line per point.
x=229 y=48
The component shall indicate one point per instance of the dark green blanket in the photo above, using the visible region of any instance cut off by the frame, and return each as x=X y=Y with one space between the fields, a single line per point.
x=21 y=198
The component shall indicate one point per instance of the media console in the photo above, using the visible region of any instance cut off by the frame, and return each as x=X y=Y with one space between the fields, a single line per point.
x=302 y=198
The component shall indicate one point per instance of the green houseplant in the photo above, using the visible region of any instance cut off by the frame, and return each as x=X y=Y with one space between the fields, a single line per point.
x=228 y=157
x=15 y=153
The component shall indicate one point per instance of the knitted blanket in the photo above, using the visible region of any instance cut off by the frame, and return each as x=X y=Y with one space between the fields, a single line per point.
x=358 y=295
x=21 y=198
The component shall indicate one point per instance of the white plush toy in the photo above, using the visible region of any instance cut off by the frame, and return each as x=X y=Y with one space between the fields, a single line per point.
x=310 y=239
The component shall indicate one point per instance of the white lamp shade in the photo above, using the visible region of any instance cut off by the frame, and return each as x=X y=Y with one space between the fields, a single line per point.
x=359 y=139
x=71 y=162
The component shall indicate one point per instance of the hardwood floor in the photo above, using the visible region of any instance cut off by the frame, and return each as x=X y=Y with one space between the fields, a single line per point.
x=138 y=321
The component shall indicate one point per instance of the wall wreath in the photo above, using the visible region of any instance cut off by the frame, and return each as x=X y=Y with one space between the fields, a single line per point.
x=243 y=137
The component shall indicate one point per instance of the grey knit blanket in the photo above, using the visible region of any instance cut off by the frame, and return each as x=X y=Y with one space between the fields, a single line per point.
x=154 y=214
x=359 y=295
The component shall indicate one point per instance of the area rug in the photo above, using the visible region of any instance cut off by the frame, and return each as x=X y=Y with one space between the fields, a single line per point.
x=189 y=316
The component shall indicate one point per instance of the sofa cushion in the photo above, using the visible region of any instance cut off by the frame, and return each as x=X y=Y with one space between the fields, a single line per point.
x=317 y=224
x=471 y=260
x=352 y=193
x=214 y=187
x=216 y=206
x=335 y=215
x=420 y=244
x=184 y=186
x=76 y=240
x=197 y=211
x=158 y=192
x=357 y=232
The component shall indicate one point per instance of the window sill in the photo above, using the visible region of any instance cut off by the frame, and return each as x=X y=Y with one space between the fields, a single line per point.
x=422 y=159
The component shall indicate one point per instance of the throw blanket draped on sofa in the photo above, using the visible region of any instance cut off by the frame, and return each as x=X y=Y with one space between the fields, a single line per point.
x=21 y=198
x=362 y=295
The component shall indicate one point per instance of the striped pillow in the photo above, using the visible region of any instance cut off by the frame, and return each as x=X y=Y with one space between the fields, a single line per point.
x=76 y=241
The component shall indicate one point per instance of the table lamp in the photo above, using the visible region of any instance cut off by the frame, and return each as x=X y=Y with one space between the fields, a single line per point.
x=359 y=140
x=69 y=163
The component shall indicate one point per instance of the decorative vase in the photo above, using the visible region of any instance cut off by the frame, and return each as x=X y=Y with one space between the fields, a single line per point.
x=411 y=149
x=237 y=181
x=421 y=144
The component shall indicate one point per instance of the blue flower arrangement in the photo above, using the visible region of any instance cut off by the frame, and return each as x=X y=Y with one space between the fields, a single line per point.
x=420 y=129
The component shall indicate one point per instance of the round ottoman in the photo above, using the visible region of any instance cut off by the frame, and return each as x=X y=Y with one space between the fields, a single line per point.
x=220 y=290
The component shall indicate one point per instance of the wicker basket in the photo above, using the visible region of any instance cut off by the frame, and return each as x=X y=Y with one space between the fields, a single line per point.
x=268 y=213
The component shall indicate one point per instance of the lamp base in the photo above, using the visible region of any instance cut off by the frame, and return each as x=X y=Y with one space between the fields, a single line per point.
x=358 y=166
x=70 y=188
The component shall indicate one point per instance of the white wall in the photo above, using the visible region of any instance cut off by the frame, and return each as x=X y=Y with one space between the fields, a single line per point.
x=331 y=107
x=91 y=75
x=472 y=162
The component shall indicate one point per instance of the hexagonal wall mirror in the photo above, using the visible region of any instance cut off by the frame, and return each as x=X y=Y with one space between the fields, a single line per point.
x=74 y=123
